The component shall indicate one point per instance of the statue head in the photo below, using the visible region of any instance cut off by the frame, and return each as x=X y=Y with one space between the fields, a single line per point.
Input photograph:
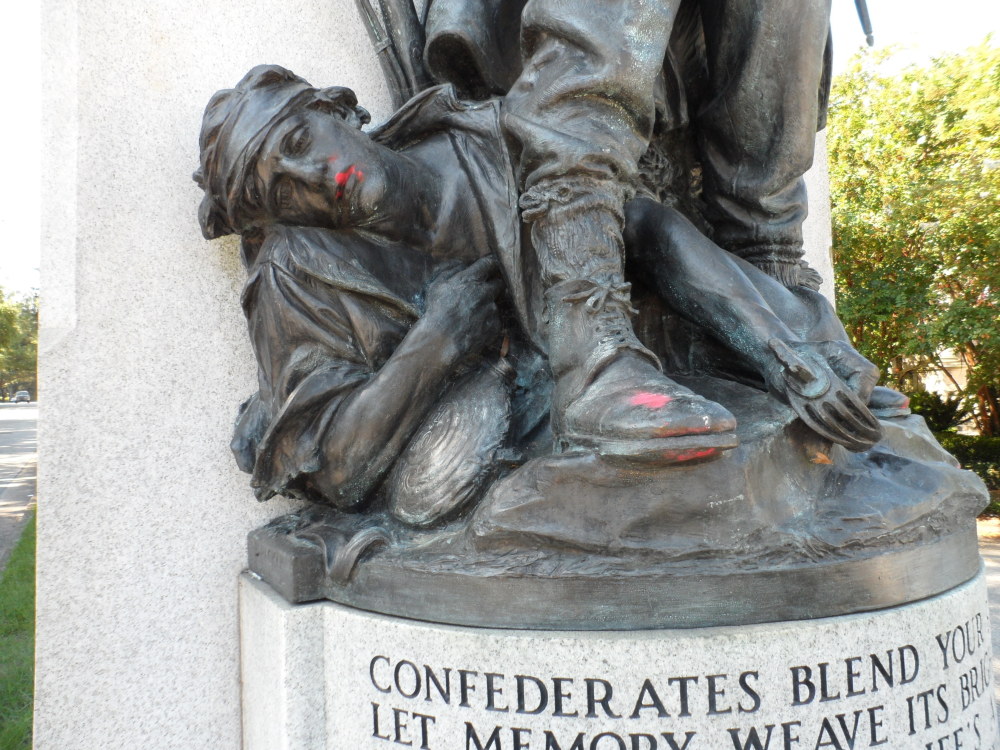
x=274 y=149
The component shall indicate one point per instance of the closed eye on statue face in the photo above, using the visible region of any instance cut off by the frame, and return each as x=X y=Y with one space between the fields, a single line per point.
x=252 y=194
x=297 y=141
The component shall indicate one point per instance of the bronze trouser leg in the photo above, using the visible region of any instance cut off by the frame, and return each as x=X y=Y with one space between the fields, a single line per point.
x=757 y=124
x=580 y=116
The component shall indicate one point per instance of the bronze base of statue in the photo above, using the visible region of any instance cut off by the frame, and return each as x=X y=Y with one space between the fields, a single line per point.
x=785 y=527
x=685 y=596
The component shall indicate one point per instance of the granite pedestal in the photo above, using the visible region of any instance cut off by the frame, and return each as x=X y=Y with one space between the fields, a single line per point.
x=328 y=676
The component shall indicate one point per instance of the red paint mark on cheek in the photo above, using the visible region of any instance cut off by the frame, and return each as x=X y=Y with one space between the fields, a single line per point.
x=650 y=400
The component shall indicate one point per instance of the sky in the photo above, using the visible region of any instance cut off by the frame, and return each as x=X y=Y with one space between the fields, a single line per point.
x=20 y=193
x=924 y=28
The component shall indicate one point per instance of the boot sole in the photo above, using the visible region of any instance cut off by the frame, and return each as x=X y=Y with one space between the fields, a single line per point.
x=657 y=451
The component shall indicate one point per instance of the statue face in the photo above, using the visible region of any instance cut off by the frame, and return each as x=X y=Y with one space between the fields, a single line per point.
x=315 y=169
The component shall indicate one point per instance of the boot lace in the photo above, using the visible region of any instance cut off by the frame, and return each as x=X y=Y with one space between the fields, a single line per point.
x=611 y=306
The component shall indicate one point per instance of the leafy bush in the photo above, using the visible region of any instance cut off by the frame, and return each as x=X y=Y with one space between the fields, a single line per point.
x=915 y=219
x=979 y=454
x=941 y=414
x=993 y=509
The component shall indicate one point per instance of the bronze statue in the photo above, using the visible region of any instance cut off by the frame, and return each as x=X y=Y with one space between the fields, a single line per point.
x=285 y=155
x=449 y=371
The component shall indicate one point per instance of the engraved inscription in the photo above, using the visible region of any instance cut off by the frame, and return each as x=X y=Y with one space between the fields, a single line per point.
x=930 y=693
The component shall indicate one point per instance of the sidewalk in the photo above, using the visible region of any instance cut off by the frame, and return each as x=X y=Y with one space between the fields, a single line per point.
x=18 y=471
x=989 y=548
x=17 y=498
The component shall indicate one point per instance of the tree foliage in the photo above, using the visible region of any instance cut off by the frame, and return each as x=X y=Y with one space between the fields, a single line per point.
x=942 y=413
x=9 y=314
x=18 y=344
x=915 y=180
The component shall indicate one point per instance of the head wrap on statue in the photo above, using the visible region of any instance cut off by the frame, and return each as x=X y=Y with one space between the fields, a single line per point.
x=234 y=127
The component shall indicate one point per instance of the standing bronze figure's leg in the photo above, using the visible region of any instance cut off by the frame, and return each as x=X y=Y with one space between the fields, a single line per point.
x=581 y=114
x=757 y=124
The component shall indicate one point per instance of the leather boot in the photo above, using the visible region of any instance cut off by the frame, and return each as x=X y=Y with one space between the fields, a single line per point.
x=610 y=395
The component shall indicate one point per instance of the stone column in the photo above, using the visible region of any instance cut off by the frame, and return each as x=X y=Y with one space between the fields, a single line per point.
x=143 y=515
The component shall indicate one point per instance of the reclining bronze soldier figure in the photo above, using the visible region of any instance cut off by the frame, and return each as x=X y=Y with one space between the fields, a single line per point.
x=363 y=328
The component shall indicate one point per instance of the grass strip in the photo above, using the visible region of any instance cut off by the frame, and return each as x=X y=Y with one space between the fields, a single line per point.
x=17 y=643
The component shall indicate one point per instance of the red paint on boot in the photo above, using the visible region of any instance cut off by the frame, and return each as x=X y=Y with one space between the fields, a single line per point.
x=651 y=400
x=693 y=455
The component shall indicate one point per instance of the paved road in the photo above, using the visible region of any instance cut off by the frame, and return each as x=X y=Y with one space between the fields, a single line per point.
x=18 y=459
x=990 y=550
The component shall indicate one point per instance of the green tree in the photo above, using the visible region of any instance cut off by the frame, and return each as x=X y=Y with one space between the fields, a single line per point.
x=9 y=314
x=18 y=344
x=915 y=181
